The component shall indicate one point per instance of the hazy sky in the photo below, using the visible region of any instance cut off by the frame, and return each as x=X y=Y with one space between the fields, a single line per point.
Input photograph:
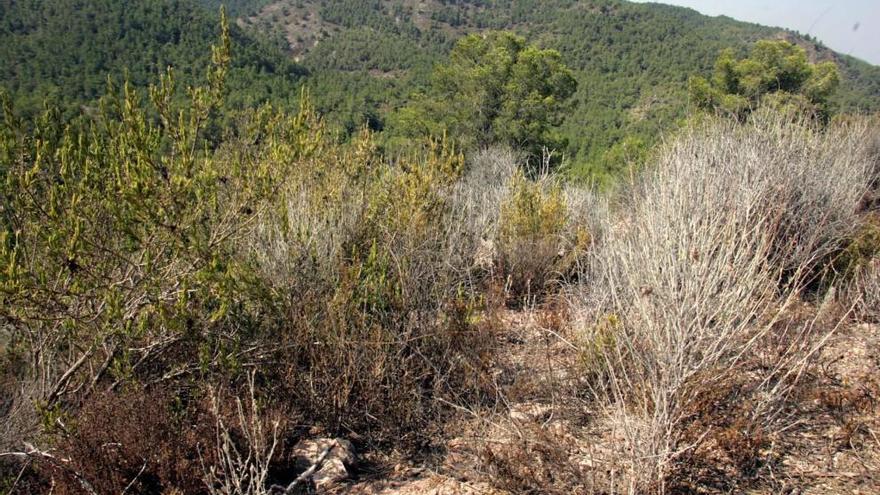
x=847 y=26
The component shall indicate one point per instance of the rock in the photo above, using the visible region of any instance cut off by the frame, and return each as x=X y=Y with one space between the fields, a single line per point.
x=433 y=484
x=333 y=468
x=332 y=471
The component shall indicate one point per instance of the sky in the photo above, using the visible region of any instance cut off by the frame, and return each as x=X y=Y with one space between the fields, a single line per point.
x=847 y=26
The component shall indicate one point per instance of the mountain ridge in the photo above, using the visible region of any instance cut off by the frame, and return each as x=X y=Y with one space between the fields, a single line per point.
x=364 y=60
x=632 y=59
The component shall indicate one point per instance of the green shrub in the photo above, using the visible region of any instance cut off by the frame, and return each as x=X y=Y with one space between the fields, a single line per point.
x=117 y=241
x=539 y=241
x=374 y=325
x=597 y=343
x=136 y=253
x=860 y=250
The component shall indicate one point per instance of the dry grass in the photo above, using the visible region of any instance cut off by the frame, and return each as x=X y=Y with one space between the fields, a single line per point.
x=866 y=287
x=242 y=467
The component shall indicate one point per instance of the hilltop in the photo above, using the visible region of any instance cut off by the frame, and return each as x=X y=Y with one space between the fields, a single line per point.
x=361 y=60
x=632 y=61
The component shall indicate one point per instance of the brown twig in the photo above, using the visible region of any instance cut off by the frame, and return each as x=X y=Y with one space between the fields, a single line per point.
x=32 y=452
x=307 y=473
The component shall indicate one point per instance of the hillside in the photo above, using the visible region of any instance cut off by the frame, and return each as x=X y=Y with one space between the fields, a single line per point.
x=632 y=60
x=205 y=294
x=362 y=60
x=64 y=51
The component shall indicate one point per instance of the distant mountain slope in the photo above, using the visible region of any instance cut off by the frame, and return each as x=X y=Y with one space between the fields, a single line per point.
x=235 y=7
x=632 y=60
x=362 y=59
x=64 y=50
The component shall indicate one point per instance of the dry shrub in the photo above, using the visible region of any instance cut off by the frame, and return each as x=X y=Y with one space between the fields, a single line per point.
x=19 y=420
x=380 y=269
x=375 y=321
x=149 y=441
x=728 y=441
x=865 y=291
x=871 y=200
x=532 y=224
x=530 y=232
x=246 y=446
x=139 y=441
x=516 y=237
x=483 y=187
x=140 y=257
x=323 y=265
x=538 y=461
x=475 y=208
x=715 y=244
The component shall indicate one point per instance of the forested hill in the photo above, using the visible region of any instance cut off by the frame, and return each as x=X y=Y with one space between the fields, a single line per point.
x=63 y=51
x=364 y=59
x=632 y=61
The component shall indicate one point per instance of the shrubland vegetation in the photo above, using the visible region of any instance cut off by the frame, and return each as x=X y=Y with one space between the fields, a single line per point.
x=143 y=267
x=191 y=283
x=690 y=294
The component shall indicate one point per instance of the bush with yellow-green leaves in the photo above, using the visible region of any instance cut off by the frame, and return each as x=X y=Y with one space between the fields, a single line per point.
x=140 y=260
x=541 y=236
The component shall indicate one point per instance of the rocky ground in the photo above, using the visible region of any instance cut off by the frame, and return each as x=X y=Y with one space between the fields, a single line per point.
x=833 y=446
x=539 y=438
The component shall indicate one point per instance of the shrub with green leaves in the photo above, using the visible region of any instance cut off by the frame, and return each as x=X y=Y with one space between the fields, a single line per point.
x=776 y=73
x=117 y=241
x=139 y=255
x=539 y=239
x=375 y=324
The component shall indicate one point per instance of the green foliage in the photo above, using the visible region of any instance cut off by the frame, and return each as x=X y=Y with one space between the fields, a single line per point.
x=496 y=89
x=124 y=236
x=368 y=60
x=598 y=343
x=538 y=240
x=631 y=62
x=136 y=252
x=775 y=72
x=860 y=251
x=623 y=159
x=355 y=248
x=235 y=7
x=64 y=52
x=533 y=211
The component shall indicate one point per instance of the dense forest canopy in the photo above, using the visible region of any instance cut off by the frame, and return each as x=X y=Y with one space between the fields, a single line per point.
x=363 y=61
x=64 y=51
x=631 y=61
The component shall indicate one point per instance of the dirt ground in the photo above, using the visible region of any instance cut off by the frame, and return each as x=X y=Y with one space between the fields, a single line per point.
x=538 y=439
